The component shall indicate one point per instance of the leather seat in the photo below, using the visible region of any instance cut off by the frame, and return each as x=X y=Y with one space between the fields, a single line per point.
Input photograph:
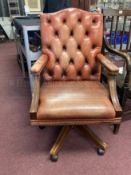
x=74 y=100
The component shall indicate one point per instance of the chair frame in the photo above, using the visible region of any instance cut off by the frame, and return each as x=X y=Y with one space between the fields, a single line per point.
x=112 y=72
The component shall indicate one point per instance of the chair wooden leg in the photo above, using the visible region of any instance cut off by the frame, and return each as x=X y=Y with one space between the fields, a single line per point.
x=116 y=128
x=59 y=142
x=93 y=137
x=41 y=127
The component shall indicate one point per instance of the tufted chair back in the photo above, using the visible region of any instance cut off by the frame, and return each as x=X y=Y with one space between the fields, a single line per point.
x=72 y=38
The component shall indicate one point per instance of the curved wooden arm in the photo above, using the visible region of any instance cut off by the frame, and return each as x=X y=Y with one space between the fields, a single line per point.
x=119 y=53
x=39 y=64
x=111 y=67
x=113 y=94
x=35 y=97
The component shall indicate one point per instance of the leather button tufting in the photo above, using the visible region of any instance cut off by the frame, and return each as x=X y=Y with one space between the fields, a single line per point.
x=79 y=47
x=57 y=60
x=86 y=61
x=71 y=33
x=50 y=72
x=94 y=20
x=49 y=20
x=79 y=73
x=71 y=40
x=49 y=47
x=56 y=33
x=79 y=20
x=64 y=20
x=64 y=73
x=64 y=47
x=93 y=46
x=87 y=33
x=71 y=61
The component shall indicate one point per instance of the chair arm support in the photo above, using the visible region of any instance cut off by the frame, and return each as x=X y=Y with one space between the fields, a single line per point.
x=39 y=64
x=112 y=68
x=35 y=96
x=119 y=53
x=113 y=94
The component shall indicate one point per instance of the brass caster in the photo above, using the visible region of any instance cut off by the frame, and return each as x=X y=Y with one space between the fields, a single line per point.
x=100 y=151
x=41 y=127
x=54 y=158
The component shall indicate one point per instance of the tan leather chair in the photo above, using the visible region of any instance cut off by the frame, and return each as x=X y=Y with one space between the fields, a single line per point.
x=67 y=87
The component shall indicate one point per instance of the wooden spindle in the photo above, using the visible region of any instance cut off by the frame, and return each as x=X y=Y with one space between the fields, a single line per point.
x=112 y=21
x=116 y=31
x=129 y=35
x=123 y=32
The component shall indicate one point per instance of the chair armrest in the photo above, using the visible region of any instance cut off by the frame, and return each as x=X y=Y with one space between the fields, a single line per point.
x=35 y=97
x=125 y=56
x=119 y=53
x=112 y=73
x=39 y=64
x=112 y=68
x=113 y=94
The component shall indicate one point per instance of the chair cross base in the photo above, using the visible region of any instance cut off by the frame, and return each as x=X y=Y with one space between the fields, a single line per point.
x=85 y=131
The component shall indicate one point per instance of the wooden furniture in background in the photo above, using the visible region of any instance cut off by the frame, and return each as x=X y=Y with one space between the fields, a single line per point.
x=82 y=4
x=118 y=36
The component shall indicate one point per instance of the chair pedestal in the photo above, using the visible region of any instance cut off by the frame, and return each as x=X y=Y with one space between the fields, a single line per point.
x=84 y=130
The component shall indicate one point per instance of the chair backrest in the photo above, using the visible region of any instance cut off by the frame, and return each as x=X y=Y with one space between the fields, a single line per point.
x=118 y=28
x=72 y=38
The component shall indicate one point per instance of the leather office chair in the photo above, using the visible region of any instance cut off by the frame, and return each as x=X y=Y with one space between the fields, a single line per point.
x=67 y=88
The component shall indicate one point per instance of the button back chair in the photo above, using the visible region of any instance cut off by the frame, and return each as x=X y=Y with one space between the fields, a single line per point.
x=67 y=89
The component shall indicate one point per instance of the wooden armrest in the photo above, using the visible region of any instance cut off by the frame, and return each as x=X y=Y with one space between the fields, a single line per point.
x=111 y=67
x=35 y=97
x=119 y=53
x=113 y=94
x=39 y=64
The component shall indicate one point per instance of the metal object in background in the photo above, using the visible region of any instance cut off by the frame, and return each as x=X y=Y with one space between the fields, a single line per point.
x=13 y=6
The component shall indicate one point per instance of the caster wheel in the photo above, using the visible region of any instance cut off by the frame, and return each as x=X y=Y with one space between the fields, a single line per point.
x=41 y=127
x=100 y=151
x=54 y=158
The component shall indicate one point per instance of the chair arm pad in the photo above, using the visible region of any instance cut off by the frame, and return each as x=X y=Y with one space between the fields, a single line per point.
x=113 y=94
x=35 y=96
x=39 y=64
x=111 y=67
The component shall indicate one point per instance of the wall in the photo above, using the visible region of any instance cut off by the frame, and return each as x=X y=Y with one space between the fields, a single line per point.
x=5 y=4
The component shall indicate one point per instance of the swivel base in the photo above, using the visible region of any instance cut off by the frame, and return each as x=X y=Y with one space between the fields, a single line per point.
x=84 y=130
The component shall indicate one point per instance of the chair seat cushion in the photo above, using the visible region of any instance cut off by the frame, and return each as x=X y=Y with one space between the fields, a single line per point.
x=74 y=100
